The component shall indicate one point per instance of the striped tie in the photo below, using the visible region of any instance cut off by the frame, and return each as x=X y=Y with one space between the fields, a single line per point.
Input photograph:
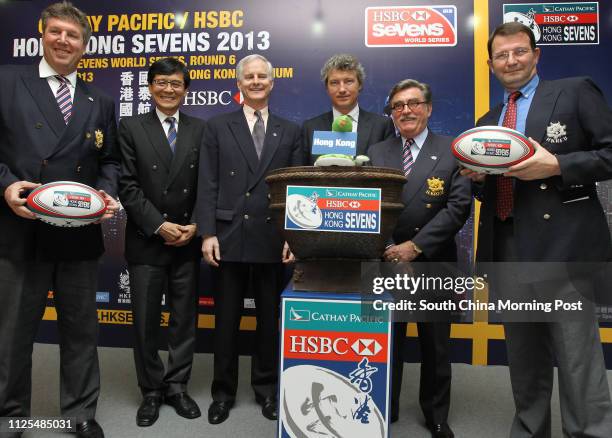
x=407 y=156
x=172 y=133
x=64 y=101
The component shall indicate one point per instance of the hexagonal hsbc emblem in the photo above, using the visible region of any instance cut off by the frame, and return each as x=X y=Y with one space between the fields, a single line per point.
x=366 y=347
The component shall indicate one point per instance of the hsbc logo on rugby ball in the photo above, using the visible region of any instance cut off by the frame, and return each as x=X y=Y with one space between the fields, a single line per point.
x=411 y=26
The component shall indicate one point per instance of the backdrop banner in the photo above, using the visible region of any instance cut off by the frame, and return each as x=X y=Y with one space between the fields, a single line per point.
x=431 y=41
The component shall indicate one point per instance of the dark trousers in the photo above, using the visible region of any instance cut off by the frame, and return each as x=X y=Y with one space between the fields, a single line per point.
x=435 y=383
x=534 y=348
x=23 y=298
x=266 y=282
x=179 y=282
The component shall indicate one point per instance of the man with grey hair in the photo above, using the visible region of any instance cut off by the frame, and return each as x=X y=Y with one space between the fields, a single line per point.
x=437 y=203
x=53 y=127
x=240 y=239
x=343 y=77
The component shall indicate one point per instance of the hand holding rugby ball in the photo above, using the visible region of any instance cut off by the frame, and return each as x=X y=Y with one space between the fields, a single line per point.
x=66 y=204
x=491 y=149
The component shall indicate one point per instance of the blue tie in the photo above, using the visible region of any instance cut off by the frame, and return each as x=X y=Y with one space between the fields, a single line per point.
x=172 y=133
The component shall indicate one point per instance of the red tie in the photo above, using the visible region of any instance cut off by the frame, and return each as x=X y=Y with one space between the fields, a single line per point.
x=504 y=204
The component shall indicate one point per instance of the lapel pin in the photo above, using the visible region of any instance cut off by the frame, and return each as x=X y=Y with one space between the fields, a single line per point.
x=90 y=98
x=274 y=134
x=434 y=157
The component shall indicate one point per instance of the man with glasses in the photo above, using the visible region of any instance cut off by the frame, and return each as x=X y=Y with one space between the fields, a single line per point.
x=545 y=209
x=53 y=127
x=160 y=153
x=343 y=77
x=437 y=203
x=240 y=238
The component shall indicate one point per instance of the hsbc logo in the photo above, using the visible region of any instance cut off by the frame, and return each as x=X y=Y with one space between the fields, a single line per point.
x=411 y=26
x=572 y=18
x=420 y=15
x=366 y=347
x=354 y=204
x=340 y=346
x=208 y=98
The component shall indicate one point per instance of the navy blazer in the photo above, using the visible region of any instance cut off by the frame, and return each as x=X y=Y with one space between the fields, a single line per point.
x=36 y=145
x=436 y=198
x=233 y=197
x=372 y=128
x=158 y=186
x=559 y=218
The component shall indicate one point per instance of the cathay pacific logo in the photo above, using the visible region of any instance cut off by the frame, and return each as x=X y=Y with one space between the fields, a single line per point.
x=299 y=315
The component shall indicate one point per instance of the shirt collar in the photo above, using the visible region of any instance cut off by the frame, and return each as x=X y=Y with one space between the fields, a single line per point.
x=45 y=71
x=162 y=117
x=419 y=140
x=353 y=114
x=250 y=112
x=526 y=90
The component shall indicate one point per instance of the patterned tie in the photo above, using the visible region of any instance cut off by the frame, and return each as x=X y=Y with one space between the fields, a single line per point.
x=259 y=133
x=505 y=202
x=172 y=133
x=407 y=156
x=64 y=101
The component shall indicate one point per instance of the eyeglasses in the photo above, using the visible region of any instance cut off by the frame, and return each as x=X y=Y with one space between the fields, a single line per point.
x=517 y=53
x=161 y=83
x=412 y=105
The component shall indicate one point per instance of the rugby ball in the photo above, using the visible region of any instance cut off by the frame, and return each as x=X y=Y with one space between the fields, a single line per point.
x=491 y=149
x=66 y=204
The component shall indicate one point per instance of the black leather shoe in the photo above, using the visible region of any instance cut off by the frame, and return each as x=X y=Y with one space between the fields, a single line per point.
x=441 y=430
x=148 y=412
x=89 y=429
x=184 y=405
x=269 y=407
x=219 y=411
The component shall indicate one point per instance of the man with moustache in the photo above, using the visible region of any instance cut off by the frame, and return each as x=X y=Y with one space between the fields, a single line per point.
x=343 y=77
x=240 y=239
x=158 y=184
x=546 y=209
x=53 y=127
x=437 y=203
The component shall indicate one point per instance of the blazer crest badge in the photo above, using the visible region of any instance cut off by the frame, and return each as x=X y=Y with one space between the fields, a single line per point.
x=556 y=133
x=99 y=142
x=435 y=186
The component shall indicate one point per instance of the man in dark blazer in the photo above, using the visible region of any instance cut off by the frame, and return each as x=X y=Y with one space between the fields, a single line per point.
x=343 y=76
x=437 y=203
x=553 y=215
x=240 y=239
x=159 y=174
x=39 y=143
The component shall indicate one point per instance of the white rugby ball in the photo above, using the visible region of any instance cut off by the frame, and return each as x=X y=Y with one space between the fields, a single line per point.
x=491 y=149
x=66 y=204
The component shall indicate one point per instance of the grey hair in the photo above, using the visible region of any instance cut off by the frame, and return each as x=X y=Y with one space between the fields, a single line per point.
x=410 y=83
x=244 y=61
x=343 y=62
